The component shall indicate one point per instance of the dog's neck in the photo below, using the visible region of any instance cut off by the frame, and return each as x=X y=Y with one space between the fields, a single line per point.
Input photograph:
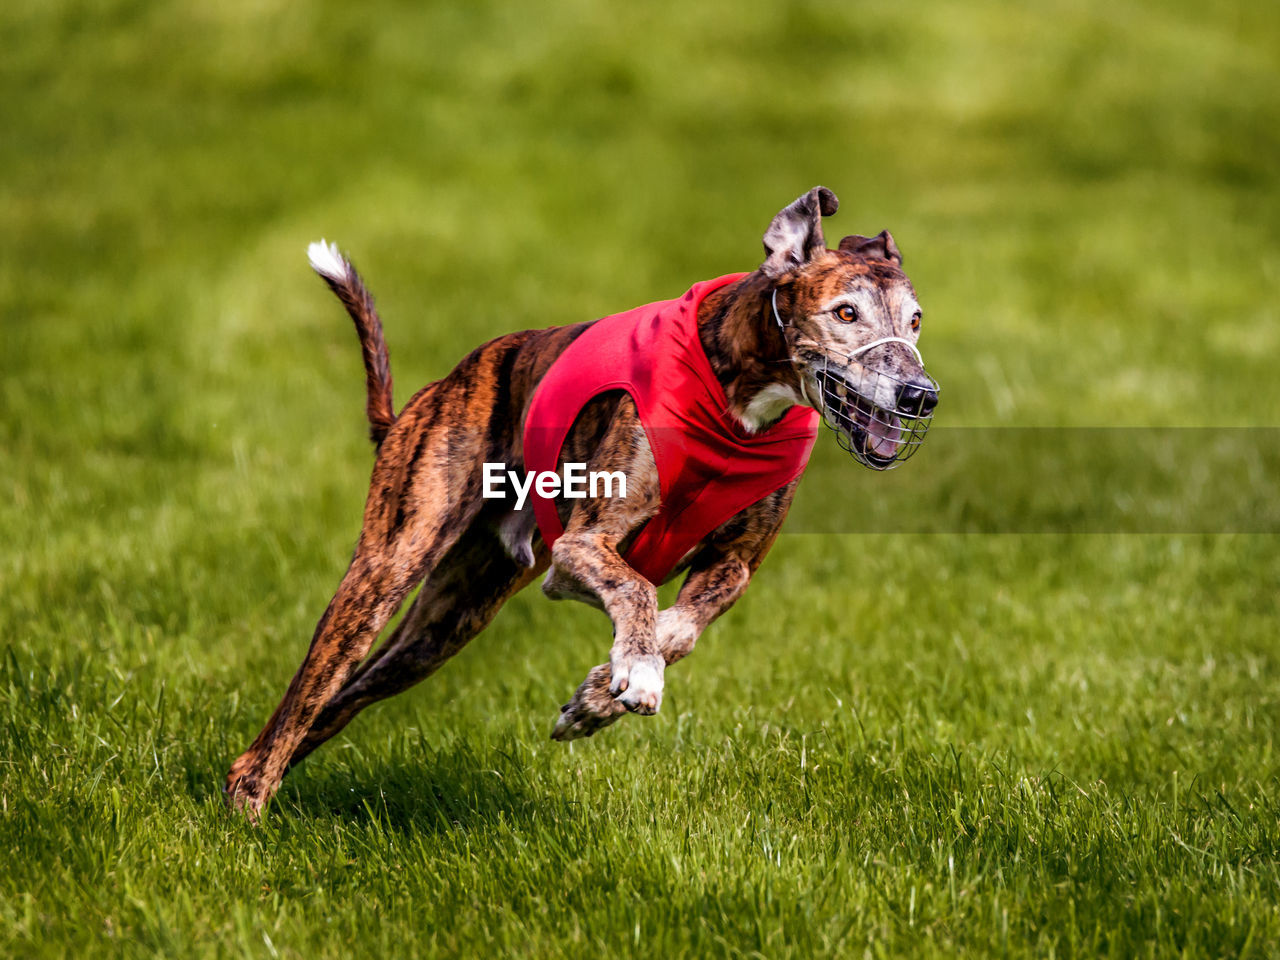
x=748 y=352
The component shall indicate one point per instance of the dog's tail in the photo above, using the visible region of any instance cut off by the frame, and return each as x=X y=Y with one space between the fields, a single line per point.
x=343 y=280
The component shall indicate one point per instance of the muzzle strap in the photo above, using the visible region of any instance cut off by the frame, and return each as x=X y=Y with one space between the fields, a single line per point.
x=774 y=301
x=875 y=343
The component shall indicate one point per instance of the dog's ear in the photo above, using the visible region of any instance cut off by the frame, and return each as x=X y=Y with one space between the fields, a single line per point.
x=880 y=247
x=795 y=236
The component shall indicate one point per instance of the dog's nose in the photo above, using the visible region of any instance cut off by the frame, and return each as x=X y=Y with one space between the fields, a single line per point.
x=917 y=398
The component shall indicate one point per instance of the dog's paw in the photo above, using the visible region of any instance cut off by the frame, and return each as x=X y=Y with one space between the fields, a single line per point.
x=243 y=794
x=677 y=633
x=637 y=683
x=592 y=708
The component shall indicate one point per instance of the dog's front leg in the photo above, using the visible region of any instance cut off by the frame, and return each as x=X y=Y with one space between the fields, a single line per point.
x=586 y=564
x=588 y=559
x=718 y=576
x=707 y=592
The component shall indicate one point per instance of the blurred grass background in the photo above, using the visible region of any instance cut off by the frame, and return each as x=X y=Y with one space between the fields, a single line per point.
x=902 y=745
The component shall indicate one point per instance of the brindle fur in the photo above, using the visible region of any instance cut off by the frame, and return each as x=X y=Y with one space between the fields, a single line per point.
x=425 y=521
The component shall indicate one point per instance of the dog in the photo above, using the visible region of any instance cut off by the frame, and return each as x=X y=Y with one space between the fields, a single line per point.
x=810 y=333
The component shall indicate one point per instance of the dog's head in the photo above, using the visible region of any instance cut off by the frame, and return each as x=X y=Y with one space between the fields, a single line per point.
x=850 y=319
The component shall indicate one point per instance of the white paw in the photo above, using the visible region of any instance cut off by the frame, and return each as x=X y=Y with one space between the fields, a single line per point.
x=677 y=633
x=639 y=685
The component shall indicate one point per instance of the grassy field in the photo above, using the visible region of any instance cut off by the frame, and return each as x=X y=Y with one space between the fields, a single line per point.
x=908 y=744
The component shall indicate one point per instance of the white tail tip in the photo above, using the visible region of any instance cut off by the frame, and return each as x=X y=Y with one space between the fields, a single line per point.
x=327 y=261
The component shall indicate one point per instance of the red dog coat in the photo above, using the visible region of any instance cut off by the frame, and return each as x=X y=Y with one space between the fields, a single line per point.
x=709 y=466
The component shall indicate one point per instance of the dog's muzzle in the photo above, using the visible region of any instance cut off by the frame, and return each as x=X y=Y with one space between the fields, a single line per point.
x=879 y=418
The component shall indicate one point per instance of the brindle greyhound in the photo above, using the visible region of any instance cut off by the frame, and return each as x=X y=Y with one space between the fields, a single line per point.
x=425 y=521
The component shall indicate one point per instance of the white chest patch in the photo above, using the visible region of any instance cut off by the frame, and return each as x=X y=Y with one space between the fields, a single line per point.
x=768 y=406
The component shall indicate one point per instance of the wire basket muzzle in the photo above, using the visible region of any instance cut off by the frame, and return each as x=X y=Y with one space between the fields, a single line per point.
x=879 y=417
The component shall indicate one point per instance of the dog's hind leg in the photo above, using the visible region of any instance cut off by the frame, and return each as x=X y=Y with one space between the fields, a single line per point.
x=459 y=599
x=424 y=496
x=369 y=595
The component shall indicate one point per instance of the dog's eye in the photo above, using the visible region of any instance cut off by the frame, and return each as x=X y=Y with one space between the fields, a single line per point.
x=846 y=313
x=915 y=320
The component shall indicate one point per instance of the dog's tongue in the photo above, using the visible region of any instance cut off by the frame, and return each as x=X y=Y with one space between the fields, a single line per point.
x=883 y=438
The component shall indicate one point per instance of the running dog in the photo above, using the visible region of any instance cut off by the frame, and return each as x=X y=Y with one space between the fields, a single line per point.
x=705 y=404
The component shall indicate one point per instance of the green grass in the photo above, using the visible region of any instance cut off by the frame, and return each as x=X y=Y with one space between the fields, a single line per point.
x=898 y=744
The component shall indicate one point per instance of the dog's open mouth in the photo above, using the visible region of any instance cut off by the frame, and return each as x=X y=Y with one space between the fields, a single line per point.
x=880 y=434
x=877 y=432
